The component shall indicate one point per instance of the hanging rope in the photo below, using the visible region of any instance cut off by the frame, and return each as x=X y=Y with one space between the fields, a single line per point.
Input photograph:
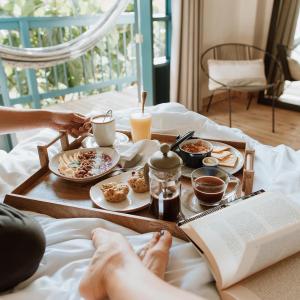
x=53 y=55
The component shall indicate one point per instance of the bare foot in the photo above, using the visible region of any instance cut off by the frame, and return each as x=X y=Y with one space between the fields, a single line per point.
x=155 y=254
x=110 y=250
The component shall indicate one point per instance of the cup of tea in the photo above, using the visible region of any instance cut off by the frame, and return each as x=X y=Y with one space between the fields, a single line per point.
x=104 y=129
x=212 y=185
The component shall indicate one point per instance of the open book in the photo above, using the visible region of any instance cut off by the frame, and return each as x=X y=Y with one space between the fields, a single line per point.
x=252 y=247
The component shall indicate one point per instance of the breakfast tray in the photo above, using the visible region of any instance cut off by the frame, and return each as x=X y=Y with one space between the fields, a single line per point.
x=43 y=192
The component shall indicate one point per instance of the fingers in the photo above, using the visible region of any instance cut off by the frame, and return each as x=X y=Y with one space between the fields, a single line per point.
x=75 y=124
x=78 y=118
x=87 y=125
x=73 y=129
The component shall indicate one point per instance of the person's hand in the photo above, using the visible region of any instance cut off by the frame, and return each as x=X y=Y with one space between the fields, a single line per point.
x=75 y=124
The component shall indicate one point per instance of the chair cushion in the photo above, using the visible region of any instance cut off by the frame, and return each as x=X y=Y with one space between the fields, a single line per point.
x=236 y=73
x=294 y=68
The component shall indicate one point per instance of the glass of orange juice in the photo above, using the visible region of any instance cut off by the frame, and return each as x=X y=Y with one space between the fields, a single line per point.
x=140 y=126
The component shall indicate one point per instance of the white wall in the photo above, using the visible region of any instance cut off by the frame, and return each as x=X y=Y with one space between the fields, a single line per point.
x=237 y=21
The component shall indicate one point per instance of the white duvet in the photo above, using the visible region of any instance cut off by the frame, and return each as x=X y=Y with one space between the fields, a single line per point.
x=69 y=247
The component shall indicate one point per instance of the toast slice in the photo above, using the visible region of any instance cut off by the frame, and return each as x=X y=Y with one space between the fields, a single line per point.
x=219 y=149
x=221 y=155
x=229 y=161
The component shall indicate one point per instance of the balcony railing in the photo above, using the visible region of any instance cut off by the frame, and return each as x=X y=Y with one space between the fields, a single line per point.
x=110 y=65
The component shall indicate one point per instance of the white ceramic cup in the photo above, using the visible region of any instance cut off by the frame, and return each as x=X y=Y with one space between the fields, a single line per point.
x=104 y=130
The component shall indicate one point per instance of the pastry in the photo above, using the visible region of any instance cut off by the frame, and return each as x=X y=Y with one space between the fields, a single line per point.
x=115 y=192
x=138 y=183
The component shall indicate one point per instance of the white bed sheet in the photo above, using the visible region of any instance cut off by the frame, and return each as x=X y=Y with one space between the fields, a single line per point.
x=69 y=247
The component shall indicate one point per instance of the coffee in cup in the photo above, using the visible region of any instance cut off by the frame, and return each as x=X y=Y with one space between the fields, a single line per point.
x=209 y=189
x=211 y=186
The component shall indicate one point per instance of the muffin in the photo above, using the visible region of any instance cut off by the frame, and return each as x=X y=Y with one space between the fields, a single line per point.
x=115 y=192
x=138 y=183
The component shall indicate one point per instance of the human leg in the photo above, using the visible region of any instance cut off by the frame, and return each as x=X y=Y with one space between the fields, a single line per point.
x=22 y=245
x=116 y=271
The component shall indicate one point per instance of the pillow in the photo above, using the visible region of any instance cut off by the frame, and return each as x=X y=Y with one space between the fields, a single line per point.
x=294 y=68
x=236 y=73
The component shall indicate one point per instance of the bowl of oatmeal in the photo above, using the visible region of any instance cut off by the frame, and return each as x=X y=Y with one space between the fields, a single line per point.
x=193 y=151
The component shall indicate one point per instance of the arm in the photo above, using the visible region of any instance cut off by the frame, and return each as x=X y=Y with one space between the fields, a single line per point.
x=12 y=120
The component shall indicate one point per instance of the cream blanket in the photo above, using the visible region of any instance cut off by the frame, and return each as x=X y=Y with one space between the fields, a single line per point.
x=69 y=247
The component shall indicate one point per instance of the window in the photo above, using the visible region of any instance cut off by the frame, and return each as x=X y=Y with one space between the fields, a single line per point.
x=161 y=17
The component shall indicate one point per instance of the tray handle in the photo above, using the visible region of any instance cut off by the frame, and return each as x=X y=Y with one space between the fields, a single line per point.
x=43 y=150
x=65 y=145
x=248 y=177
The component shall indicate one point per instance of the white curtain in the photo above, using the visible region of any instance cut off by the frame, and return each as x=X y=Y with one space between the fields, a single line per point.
x=186 y=53
x=49 y=56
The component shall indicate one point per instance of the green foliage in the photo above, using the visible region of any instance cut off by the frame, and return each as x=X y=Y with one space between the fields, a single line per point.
x=106 y=61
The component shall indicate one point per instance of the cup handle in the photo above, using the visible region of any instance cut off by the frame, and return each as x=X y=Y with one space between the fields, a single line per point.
x=237 y=184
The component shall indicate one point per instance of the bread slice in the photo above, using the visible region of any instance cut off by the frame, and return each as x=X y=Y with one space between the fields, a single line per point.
x=218 y=149
x=229 y=161
x=222 y=155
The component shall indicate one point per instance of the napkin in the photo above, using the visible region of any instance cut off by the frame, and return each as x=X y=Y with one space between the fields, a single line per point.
x=143 y=149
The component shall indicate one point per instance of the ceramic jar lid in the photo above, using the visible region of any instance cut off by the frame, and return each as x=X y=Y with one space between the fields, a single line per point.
x=165 y=159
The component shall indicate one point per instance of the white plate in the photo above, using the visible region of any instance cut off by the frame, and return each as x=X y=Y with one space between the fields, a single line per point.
x=134 y=201
x=54 y=162
x=89 y=142
x=186 y=171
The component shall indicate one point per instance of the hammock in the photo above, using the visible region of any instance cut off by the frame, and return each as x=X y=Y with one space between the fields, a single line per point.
x=53 y=55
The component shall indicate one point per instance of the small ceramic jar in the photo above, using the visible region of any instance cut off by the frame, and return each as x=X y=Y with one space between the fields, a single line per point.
x=210 y=162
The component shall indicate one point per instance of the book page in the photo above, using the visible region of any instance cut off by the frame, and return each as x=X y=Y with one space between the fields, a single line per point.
x=249 y=236
x=280 y=281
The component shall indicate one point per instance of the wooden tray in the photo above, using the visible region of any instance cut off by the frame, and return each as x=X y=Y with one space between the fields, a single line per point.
x=45 y=193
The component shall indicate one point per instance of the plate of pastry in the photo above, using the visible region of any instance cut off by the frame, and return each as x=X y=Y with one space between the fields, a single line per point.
x=127 y=192
x=82 y=165
x=229 y=159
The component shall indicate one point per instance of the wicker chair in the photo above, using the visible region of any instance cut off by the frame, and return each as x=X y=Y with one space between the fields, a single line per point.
x=235 y=51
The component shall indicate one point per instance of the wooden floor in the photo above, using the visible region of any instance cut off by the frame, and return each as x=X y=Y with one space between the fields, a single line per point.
x=257 y=122
x=101 y=102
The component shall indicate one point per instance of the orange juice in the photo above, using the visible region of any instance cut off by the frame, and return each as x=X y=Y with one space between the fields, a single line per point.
x=140 y=126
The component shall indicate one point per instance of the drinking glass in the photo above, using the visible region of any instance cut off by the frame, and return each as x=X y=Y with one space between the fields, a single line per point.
x=140 y=126
x=211 y=186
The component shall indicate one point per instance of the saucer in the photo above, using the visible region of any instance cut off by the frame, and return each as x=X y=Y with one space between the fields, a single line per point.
x=191 y=205
x=89 y=142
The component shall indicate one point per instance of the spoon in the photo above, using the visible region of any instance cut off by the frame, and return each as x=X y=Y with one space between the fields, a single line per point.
x=108 y=114
x=144 y=97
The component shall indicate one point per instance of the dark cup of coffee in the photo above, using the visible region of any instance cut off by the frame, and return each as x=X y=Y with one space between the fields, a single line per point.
x=209 y=189
x=210 y=185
